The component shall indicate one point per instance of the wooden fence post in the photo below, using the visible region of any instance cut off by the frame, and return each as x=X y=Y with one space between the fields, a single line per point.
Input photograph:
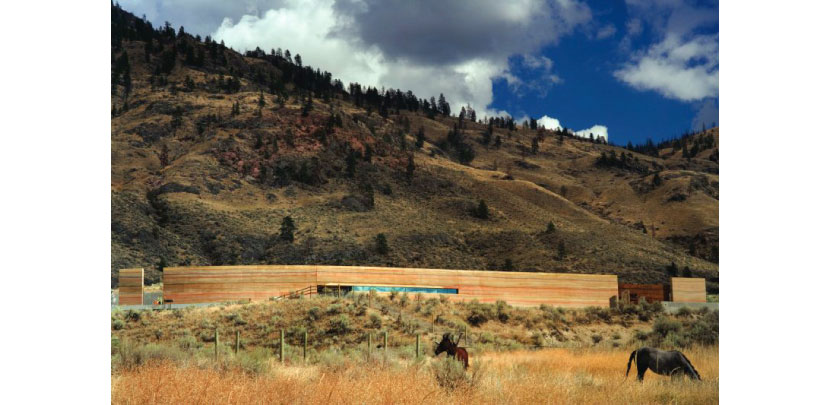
x=385 y=340
x=417 y=346
x=236 y=348
x=305 y=345
x=369 y=346
x=282 y=345
x=216 y=344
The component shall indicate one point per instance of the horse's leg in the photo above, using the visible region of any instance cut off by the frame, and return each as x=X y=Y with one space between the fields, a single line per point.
x=642 y=367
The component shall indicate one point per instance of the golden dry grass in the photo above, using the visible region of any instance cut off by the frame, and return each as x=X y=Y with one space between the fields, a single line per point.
x=554 y=376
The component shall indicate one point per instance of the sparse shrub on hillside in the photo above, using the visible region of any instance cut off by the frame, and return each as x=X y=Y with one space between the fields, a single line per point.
x=684 y=312
x=480 y=313
x=117 y=324
x=508 y=265
x=375 y=321
x=596 y=338
x=502 y=311
x=663 y=326
x=339 y=325
x=314 y=313
x=451 y=375
x=334 y=309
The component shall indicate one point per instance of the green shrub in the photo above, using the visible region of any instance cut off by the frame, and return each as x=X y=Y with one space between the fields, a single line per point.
x=132 y=315
x=502 y=311
x=339 y=325
x=375 y=321
x=596 y=338
x=663 y=326
x=314 y=313
x=451 y=375
x=480 y=313
x=236 y=319
x=118 y=324
x=188 y=342
x=334 y=309
x=684 y=312
x=253 y=362
x=538 y=339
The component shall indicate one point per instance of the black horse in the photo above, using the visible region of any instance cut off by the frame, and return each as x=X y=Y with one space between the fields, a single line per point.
x=669 y=363
x=452 y=349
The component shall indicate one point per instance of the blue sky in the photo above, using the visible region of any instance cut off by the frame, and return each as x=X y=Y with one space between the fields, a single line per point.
x=631 y=69
x=589 y=93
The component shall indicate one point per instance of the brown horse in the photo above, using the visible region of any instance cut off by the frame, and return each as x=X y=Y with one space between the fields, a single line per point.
x=452 y=349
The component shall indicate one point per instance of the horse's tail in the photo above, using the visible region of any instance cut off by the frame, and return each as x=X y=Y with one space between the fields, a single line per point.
x=630 y=358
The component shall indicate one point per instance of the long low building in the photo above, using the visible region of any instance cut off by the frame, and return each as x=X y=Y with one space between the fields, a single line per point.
x=200 y=284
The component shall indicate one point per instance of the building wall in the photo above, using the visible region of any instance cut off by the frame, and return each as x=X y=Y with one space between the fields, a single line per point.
x=688 y=289
x=185 y=285
x=130 y=286
x=224 y=283
x=652 y=292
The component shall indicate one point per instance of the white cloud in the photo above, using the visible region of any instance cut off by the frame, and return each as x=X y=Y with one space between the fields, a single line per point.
x=458 y=48
x=597 y=130
x=548 y=122
x=551 y=123
x=683 y=70
x=683 y=63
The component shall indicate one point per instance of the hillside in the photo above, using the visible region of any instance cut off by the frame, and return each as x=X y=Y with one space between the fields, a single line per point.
x=211 y=149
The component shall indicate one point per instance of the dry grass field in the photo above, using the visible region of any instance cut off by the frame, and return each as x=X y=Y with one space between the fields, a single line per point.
x=552 y=376
x=519 y=355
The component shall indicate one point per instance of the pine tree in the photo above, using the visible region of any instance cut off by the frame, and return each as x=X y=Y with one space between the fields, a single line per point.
x=551 y=228
x=482 y=212
x=687 y=272
x=410 y=169
x=419 y=139
x=381 y=245
x=672 y=270
x=287 y=229
x=560 y=250
x=351 y=163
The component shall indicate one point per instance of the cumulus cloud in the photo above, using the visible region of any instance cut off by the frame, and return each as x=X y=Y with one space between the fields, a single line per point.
x=599 y=131
x=551 y=123
x=429 y=47
x=548 y=122
x=683 y=64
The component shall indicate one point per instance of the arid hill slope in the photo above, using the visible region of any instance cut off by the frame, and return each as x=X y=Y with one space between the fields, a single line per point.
x=194 y=182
